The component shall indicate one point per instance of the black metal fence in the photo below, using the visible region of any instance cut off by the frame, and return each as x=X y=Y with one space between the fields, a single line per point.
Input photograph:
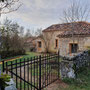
x=33 y=73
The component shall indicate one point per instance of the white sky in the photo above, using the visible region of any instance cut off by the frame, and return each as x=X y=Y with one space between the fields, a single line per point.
x=35 y=14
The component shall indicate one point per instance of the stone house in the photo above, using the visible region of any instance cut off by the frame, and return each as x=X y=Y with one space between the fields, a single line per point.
x=68 y=38
x=30 y=44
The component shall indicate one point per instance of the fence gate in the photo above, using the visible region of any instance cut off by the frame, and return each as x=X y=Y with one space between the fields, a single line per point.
x=49 y=69
x=33 y=73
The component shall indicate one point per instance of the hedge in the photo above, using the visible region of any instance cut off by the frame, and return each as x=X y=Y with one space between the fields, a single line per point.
x=5 y=54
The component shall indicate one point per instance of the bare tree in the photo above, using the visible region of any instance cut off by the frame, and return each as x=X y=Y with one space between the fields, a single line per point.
x=28 y=33
x=38 y=32
x=47 y=38
x=76 y=12
x=21 y=31
x=9 y=31
x=7 y=6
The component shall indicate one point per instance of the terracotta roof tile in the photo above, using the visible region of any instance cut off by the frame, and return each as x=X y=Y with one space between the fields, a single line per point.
x=30 y=39
x=76 y=28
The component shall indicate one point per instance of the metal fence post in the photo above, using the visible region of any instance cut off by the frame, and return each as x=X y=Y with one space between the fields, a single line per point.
x=40 y=72
x=3 y=65
x=58 y=64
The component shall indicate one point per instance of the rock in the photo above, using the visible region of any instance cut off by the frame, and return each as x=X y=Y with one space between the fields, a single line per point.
x=71 y=73
x=12 y=85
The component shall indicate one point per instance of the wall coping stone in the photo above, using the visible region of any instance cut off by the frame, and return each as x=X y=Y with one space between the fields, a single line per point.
x=74 y=56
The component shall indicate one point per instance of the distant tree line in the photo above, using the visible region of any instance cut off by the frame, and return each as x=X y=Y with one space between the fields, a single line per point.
x=11 y=40
x=6 y=6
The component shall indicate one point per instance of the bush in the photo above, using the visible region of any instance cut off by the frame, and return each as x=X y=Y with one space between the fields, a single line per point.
x=5 y=54
x=82 y=80
x=3 y=79
x=89 y=52
x=77 y=82
x=69 y=80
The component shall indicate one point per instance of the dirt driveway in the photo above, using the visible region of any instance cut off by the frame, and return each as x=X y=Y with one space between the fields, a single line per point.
x=56 y=85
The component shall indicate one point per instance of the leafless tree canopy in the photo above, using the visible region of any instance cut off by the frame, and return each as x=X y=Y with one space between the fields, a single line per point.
x=11 y=39
x=7 y=6
x=76 y=12
x=47 y=38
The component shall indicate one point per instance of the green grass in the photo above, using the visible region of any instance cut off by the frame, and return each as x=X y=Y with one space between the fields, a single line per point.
x=28 y=55
x=81 y=83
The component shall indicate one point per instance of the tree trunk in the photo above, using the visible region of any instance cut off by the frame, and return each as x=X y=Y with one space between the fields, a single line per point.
x=0 y=66
x=2 y=88
x=0 y=70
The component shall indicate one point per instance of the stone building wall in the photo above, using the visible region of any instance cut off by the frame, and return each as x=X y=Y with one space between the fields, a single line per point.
x=64 y=48
x=53 y=36
x=63 y=43
x=87 y=42
x=49 y=37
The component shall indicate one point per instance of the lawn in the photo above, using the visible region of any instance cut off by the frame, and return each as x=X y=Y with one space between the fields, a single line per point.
x=28 y=55
x=22 y=57
x=81 y=83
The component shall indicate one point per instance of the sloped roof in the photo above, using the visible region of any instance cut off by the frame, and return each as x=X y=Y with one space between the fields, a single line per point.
x=76 y=28
x=30 y=39
x=57 y=27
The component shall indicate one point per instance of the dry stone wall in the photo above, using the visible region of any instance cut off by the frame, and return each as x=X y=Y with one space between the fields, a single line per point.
x=70 y=64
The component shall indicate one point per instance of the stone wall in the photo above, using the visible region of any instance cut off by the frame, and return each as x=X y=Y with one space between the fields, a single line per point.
x=64 y=44
x=66 y=69
x=82 y=59
x=71 y=63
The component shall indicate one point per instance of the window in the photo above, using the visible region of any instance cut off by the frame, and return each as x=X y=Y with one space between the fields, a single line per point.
x=39 y=44
x=73 y=48
x=56 y=43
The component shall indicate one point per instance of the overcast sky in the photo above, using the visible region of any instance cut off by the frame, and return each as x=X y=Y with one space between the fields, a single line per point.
x=35 y=14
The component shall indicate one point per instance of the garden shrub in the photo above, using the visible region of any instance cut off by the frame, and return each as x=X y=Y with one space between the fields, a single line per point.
x=11 y=53
x=3 y=79
x=89 y=52
x=81 y=80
